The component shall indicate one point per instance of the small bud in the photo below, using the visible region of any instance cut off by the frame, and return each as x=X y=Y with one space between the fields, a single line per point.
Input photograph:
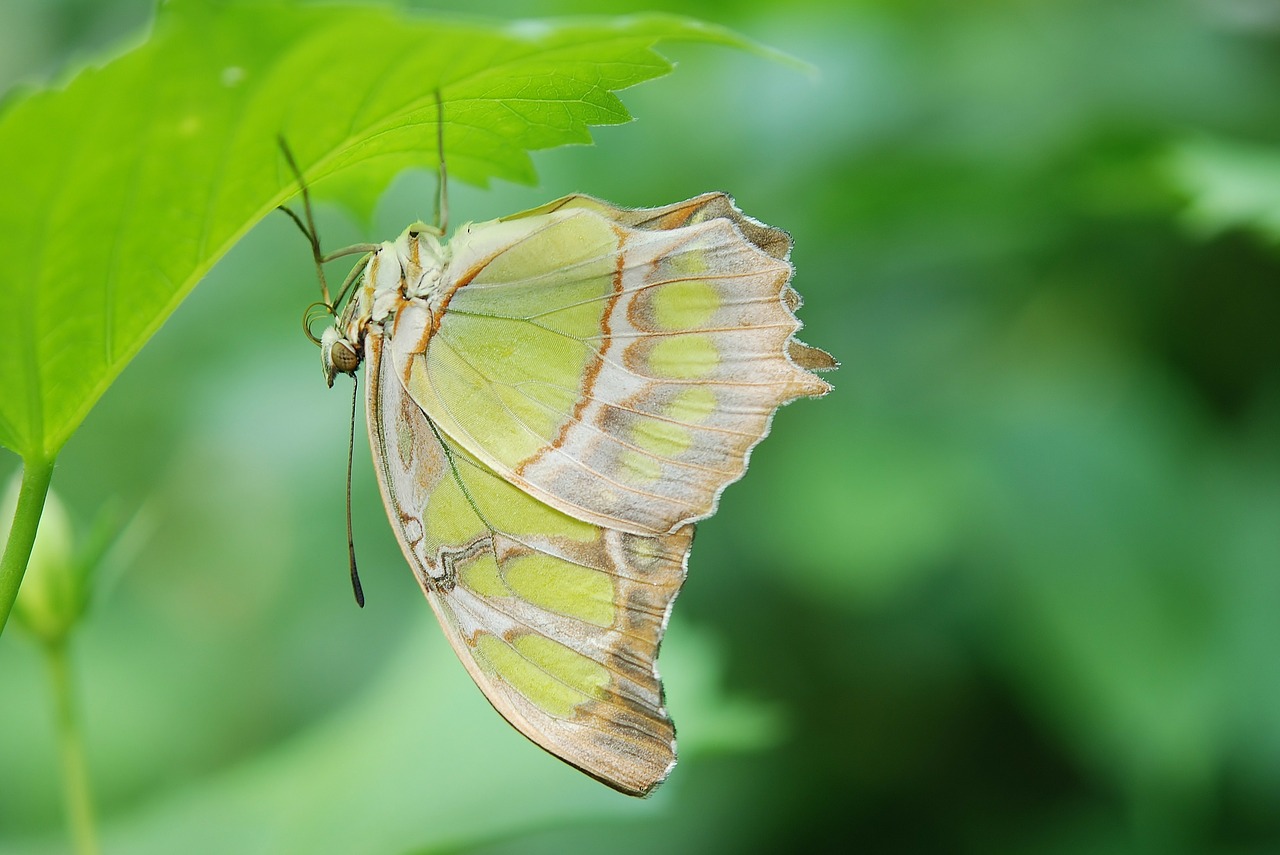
x=53 y=594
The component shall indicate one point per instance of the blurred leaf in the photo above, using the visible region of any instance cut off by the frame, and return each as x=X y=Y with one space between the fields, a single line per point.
x=123 y=188
x=1111 y=608
x=881 y=509
x=416 y=762
x=710 y=720
x=1230 y=185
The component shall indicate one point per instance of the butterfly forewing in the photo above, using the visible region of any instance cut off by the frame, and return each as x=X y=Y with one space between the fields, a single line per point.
x=618 y=365
x=558 y=620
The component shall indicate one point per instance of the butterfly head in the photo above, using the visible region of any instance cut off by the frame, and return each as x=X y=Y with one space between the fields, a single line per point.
x=338 y=355
x=376 y=285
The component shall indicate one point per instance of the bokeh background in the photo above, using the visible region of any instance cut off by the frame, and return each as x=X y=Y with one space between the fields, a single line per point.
x=1014 y=586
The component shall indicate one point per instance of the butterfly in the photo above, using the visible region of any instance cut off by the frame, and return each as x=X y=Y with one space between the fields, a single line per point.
x=553 y=400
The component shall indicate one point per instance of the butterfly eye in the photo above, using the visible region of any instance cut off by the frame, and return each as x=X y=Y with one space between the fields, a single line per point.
x=344 y=357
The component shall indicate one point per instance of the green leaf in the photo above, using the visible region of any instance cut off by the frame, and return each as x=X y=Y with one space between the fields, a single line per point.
x=123 y=188
x=1229 y=185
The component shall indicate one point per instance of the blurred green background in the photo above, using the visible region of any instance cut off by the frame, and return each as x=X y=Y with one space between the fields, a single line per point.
x=1014 y=586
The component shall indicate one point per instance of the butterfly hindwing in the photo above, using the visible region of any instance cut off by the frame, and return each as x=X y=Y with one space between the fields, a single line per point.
x=558 y=620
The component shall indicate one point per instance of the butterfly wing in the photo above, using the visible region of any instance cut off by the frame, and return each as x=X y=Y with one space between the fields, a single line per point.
x=557 y=620
x=618 y=365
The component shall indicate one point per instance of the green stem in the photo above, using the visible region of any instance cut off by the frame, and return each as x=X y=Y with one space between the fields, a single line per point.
x=75 y=769
x=26 y=519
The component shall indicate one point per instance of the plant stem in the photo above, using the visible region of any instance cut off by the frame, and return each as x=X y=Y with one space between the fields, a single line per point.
x=78 y=799
x=22 y=536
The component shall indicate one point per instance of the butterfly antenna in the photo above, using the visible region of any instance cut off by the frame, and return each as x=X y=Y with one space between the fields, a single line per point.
x=442 y=198
x=309 y=229
x=351 y=541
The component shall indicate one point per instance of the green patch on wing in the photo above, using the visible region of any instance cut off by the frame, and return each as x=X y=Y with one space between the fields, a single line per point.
x=552 y=677
x=453 y=518
x=683 y=357
x=562 y=587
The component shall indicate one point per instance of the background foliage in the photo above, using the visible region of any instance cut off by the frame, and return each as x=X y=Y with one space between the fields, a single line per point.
x=1011 y=587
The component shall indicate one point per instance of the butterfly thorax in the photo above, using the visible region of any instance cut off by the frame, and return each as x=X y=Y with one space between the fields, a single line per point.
x=408 y=270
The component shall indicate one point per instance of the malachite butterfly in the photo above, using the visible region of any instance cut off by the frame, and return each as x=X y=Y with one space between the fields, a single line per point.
x=554 y=399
